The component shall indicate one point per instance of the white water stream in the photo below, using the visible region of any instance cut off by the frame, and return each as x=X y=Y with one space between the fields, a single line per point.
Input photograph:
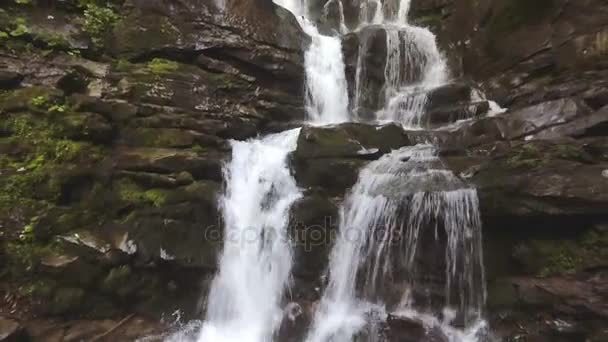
x=405 y=192
x=246 y=295
x=326 y=87
x=396 y=200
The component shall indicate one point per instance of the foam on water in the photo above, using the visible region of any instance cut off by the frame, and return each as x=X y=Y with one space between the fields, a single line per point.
x=326 y=88
x=246 y=295
x=403 y=194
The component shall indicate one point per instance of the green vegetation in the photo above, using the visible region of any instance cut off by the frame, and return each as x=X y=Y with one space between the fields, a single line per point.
x=526 y=156
x=99 y=21
x=20 y=28
x=161 y=66
x=45 y=151
x=530 y=156
x=41 y=101
x=561 y=256
x=130 y=192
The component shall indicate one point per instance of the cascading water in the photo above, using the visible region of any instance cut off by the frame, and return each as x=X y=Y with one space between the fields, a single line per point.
x=403 y=204
x=326 y=87
x=373 y=267
x=413 y=66
x=246 y=295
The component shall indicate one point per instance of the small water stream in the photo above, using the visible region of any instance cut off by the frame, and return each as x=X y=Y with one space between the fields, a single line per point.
x=386 y=219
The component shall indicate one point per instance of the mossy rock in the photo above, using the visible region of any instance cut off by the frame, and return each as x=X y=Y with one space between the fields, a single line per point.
x=158 y=137
x=32 y=98
x=120 y=281
x=67 y=300
x=546 y=257
x=160 y=33
x=87 y=126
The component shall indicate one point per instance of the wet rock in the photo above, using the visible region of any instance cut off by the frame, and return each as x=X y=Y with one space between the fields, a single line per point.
x=441 y=116
x=70 y=268
x=9 y=79
x=66 y=300
x=330 y=157
x=158 y=137
x=313 y=224
x=88 y=126
x=529 y=120
x=113 y=110
x=449 y=94
x=349 y=141
x=243 y=31
x=10 y=330
x=595 y=124
x=127 y=328
x=201 y=165
x=536 y=178
x=403 y=329
x=333 y=175
x=372 y=52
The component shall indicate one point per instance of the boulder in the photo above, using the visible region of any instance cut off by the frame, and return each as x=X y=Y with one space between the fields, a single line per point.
x=405 y=329
x=330 y=157
x=10 y=330
x=370 y=51
x=349 y=140
x=535 y=178
x=9 y=79
x=445 y=115
x=595 y=124
x=529 y=120
x=244 y=31
x=313 y=223
x=205 y=165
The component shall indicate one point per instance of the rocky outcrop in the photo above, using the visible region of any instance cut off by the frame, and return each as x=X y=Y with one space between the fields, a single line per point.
x=115 y=126
x=329 y=158
x=522 y=52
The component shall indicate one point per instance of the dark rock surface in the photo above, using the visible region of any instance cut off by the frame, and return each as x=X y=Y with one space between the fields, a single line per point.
x=113 y=137
x=113 y=134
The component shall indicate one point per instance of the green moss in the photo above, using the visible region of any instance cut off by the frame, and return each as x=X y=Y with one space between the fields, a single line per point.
x=128 y=41
x=429 y=20
x=41 y=101
x=562 y=256
x=132 y=193
x=119 y=281
x=99 y=22
x=123 y=65
x=569 y=152
x=23 y=257
x=39 y=288
x=19 y=30
x=526 y=156
x=36 y=173
x=156 y=196
x=161 y=66
x=66 y=300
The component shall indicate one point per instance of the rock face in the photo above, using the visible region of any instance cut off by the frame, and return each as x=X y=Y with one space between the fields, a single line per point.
x=330 y=158
x=115 y=123
x=114 y=128
x=540 y=167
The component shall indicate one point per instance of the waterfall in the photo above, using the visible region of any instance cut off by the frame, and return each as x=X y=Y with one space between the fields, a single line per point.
x=246 y=295
x=373 y=266
x=405 y=209
x=326 y=87
x=413 y=67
